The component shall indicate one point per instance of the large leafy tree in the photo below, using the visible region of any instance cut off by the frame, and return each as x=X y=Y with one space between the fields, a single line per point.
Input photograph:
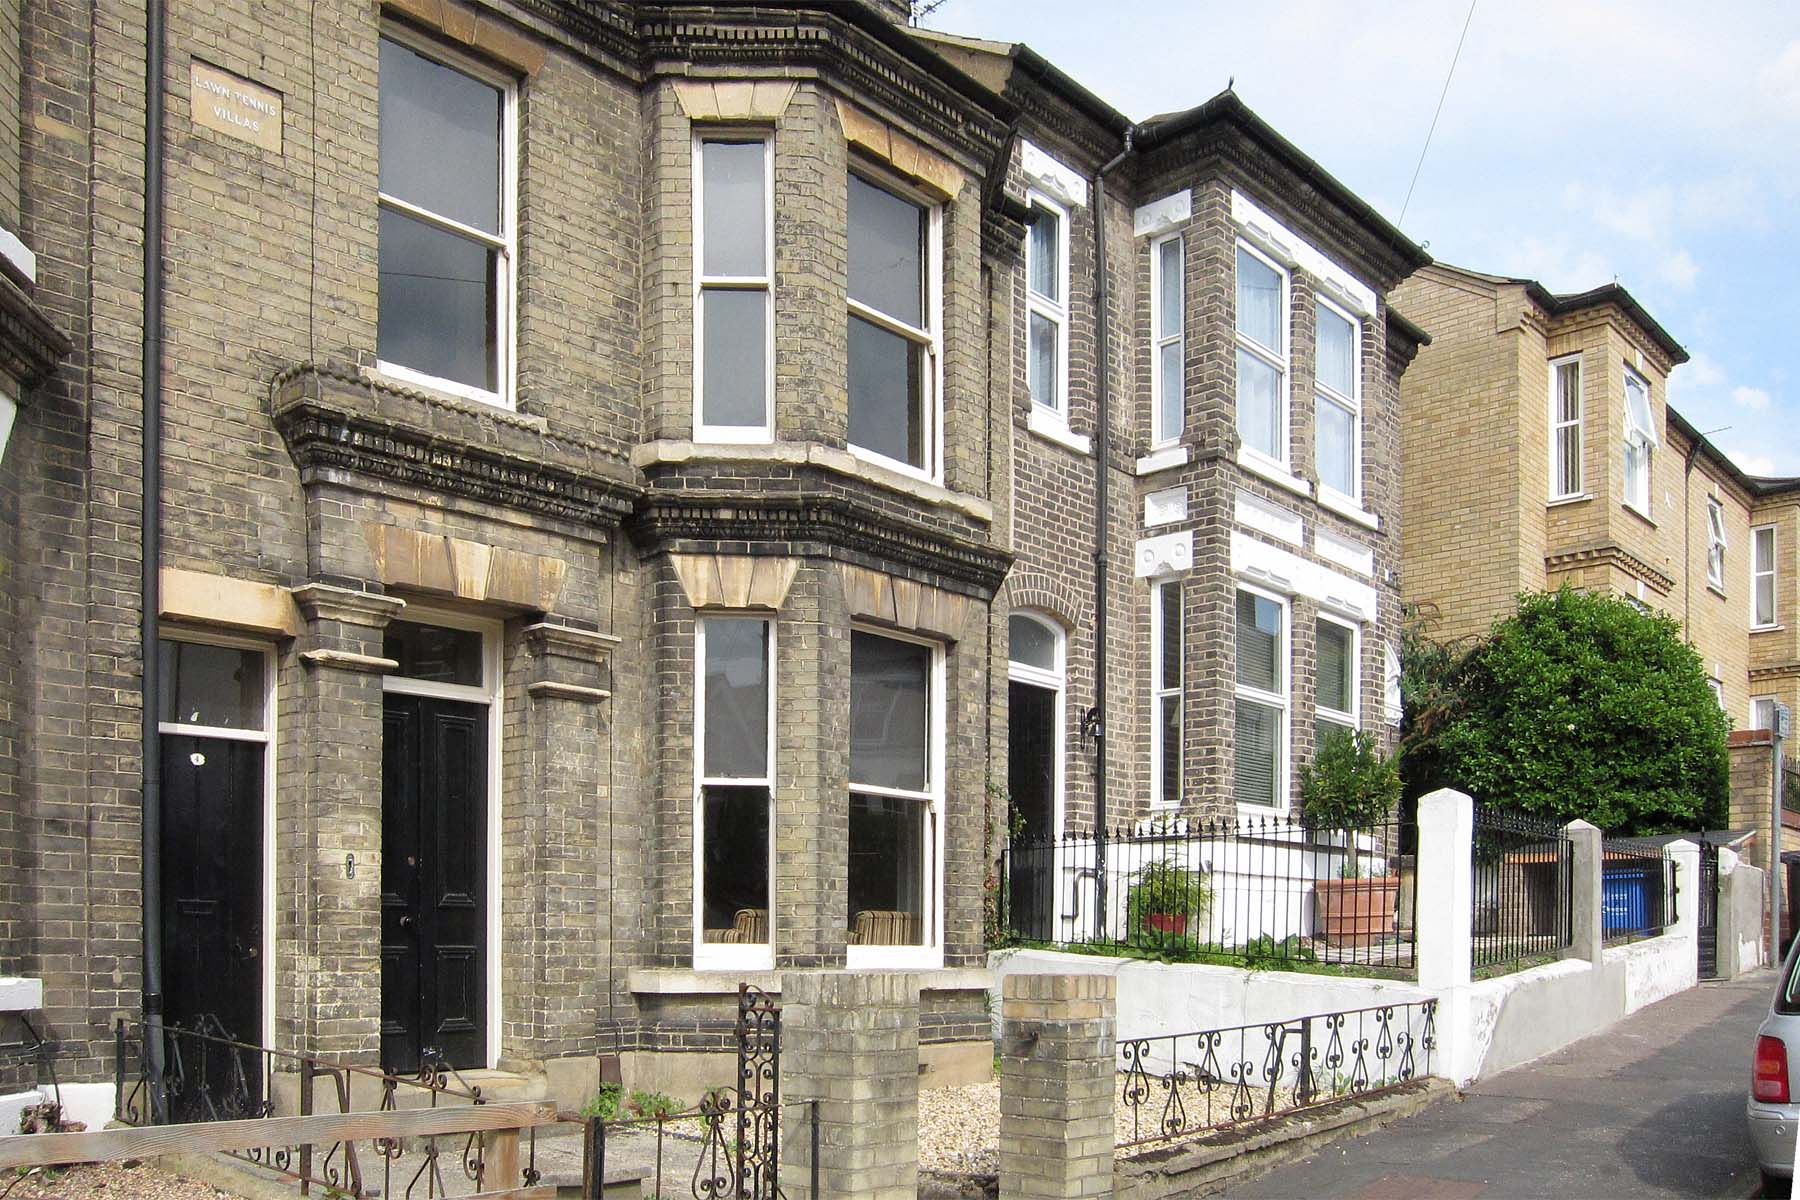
x=1580 y=705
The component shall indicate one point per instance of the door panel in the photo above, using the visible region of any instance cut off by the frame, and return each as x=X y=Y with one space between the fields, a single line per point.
x=434 y=882
x=212 y=862
x=1031 y=781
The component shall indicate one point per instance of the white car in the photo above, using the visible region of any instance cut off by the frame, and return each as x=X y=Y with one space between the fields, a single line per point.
x=1774 y=1104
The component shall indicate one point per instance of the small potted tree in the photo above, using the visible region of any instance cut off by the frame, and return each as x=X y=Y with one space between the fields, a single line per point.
x=1164 y=898
x=1351 y=786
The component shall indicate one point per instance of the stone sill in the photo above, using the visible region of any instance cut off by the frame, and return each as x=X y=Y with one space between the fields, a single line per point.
x=21 y=995
x=1348 y=508
x=1163 y=459
x=1053 y=427
x=685 y=981
x=677 y=452
x=1274 y=472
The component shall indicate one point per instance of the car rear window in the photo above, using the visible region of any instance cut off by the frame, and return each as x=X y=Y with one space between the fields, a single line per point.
x=1787 y=997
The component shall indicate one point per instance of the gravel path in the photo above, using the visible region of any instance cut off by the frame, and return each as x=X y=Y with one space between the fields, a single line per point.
x=111 y=1181
x=959 y=1127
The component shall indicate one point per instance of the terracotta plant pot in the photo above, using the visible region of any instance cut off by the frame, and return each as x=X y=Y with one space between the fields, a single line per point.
x=1357 y=912
x=1167 y=922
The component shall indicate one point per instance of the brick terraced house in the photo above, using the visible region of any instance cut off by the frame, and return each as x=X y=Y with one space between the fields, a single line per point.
x=637 y=483
x=1539 y=449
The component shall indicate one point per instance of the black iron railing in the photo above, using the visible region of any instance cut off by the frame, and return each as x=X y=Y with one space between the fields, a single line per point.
x=1258 y=890
x=1183 y=1084
x=209 y=1076
x=1637 y=889
x=1523 y=889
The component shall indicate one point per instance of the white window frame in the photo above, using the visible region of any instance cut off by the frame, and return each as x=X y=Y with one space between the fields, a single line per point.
x=932 y=339
x=1757 y=572
x=1053 y=680
x=1159 y=693
x=1639 y=492
x=1716 y=543
x=1056 y=312
x=490 y=692
x=765 y=283
x=1324 y=394
x=506 y=308
x=267 y=736
x=1282 y=700
x=1718 y=690
x=1280 y=362
x=1353 y=715
x=1576 y=428
x=1161 y=339
x=930 y=954
x=1760 y=702
x=727 y=956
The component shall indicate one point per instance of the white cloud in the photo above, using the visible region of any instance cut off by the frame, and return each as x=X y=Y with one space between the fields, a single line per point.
x=1753 y=464
x=1699 y=374
x=1555 y=262
x=1754 y=399
x=1781 y=80
x=1679 y=270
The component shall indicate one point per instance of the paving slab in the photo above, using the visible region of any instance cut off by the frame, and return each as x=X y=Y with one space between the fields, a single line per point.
x=1652 y=1107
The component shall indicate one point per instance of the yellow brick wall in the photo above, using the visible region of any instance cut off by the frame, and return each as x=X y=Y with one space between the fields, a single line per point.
x=1460 y=459
x=1776 y=652
x=1717 y=619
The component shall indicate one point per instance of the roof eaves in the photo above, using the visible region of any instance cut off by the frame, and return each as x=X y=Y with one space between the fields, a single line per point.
x=1228 y=106
x=1058 y=80
x=1610 y=293
x=1405 y=325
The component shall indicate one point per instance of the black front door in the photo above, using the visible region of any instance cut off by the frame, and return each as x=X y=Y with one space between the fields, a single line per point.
x=433 y=882
x=1031 y=781
x=212 y=858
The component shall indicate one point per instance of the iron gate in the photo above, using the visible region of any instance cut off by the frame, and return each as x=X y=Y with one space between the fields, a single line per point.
x=746 y=1166
x=1709 y=912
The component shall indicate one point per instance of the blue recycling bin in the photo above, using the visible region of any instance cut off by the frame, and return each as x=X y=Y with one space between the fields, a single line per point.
x=1625 y=899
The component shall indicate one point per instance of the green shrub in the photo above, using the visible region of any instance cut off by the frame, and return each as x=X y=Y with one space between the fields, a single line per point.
x=605 y=1102
x=1580 y=705
x=1163 y=887
x=651 y=1104
x=1349 y=784
x=1261 y=953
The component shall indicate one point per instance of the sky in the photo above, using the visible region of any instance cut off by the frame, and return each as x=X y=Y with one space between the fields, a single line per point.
x=1652 y=142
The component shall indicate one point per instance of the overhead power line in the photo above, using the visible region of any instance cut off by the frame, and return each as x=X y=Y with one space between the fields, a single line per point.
x=1454 y=58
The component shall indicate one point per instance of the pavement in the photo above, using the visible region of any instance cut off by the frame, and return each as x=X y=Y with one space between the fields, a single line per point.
x=1654 y=1106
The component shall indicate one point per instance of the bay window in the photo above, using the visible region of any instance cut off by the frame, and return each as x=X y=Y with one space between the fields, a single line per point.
x=896 y=712
x=1715 y=543
x=733 y=243
x=1337 y=402
x=1262 y=363
x=893 y=340
x=1047 y=305
x=1339 y=679
x=735 y=737
x=446 y=236
x=1259 y=763
x=1565 y=428
x=1168 y=381
x=1640 y=441
x=1762 y=576
x=1166 y=651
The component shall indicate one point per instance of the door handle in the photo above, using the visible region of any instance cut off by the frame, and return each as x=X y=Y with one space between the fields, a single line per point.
x=406 y=920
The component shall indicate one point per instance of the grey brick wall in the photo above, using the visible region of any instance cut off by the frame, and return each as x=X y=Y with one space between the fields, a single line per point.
x=272 y=263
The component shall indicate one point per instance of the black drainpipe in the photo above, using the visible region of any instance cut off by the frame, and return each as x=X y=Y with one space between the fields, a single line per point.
x=152 y=554
x=1102 y=560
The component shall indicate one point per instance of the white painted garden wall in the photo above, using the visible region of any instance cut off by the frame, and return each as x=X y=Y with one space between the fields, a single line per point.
x=1482 y=1026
